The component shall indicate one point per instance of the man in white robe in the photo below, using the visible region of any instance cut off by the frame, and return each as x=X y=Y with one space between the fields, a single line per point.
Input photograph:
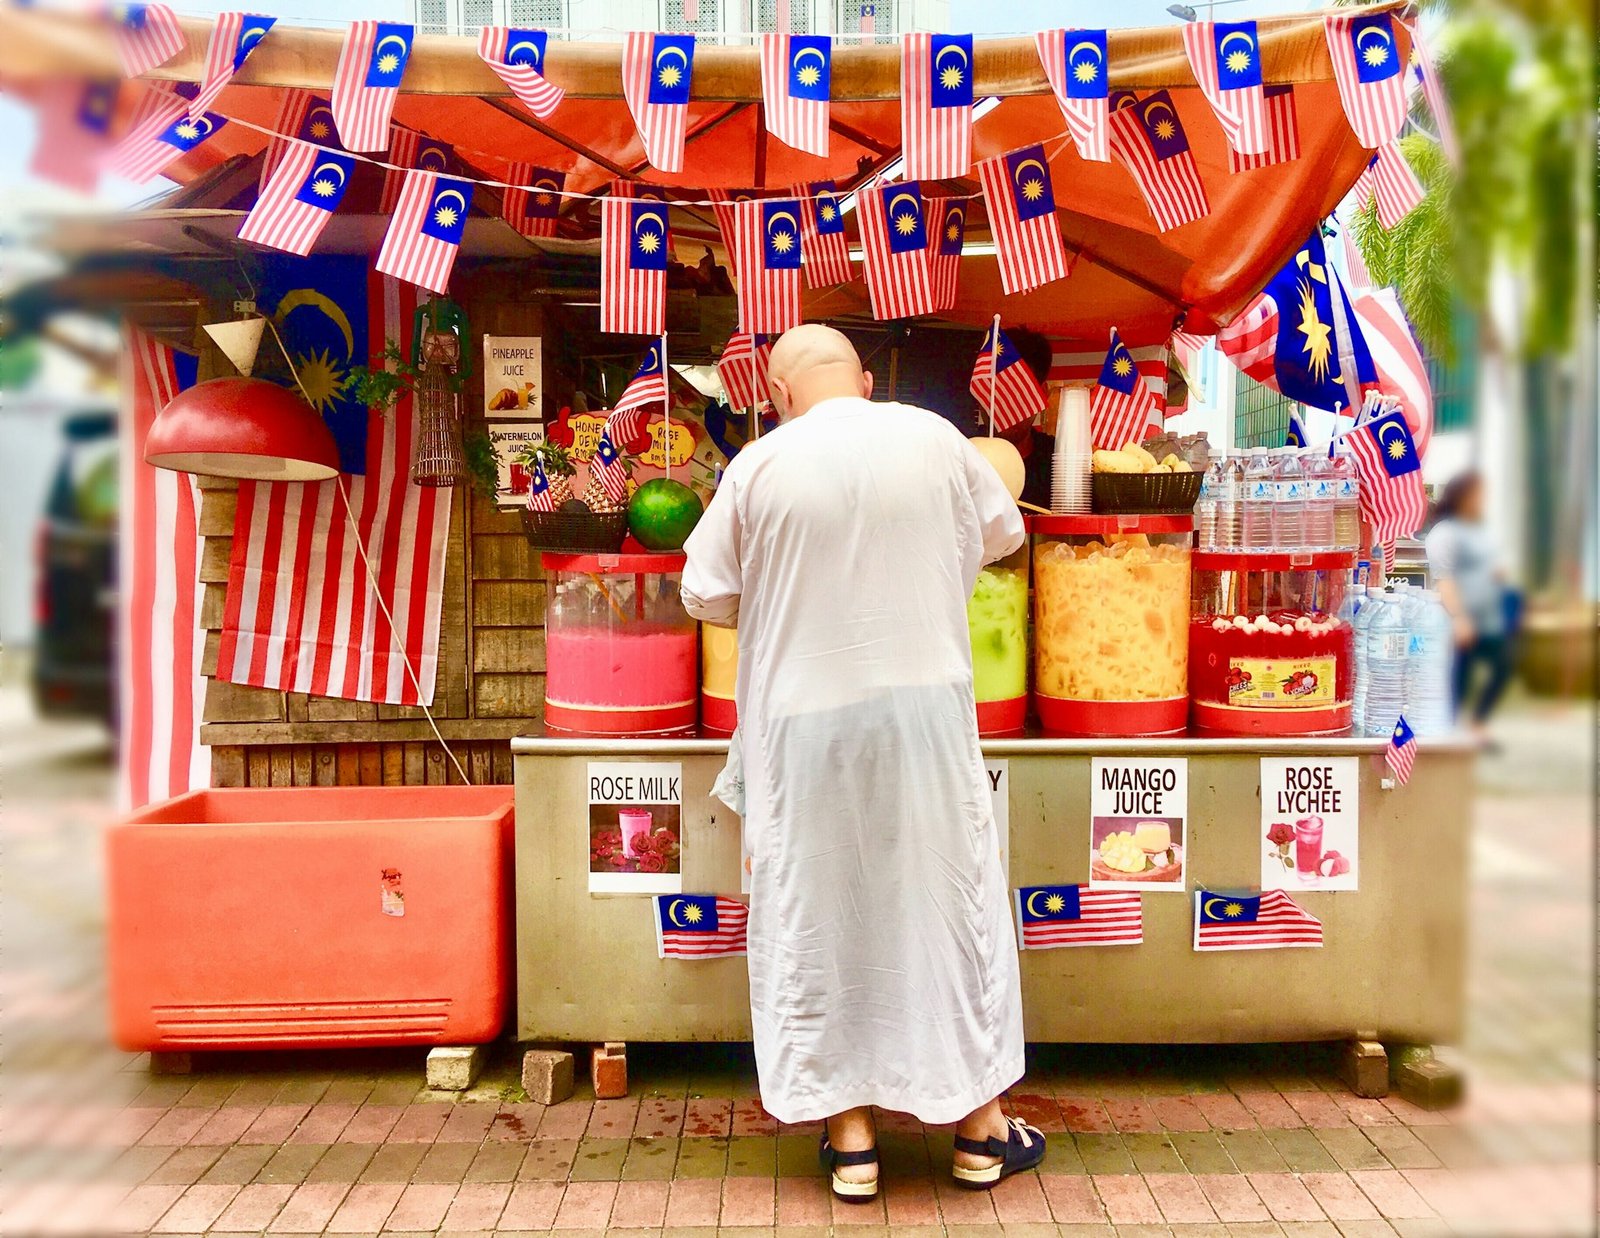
x=882 y=953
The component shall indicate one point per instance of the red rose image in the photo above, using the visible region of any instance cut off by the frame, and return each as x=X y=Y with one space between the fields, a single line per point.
x=650 y=862
x=639 y=842
x=1280 y=833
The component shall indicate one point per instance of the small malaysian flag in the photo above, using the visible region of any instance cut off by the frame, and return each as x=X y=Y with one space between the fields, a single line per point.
x=723 y=202
x=743 y=369
x=233 y=38
x=607 y=467
x=425 y=234
x=1007 y=389
x=1119 y=409
x=1283 y=133
x=74 y=130
x=1355 y=265
x=539 y=497
x=796 y=81
x=894 y=243
x=1370 y=72
x=767 y=265
x=945 y=243
x=1295 y=436
x=657 y=70
x=147 y=35
x=1075 y=65
x=1401 y=753
x=1022 y=217
x=1226 y=59
x=936 y=105
x=822 y=239
x=517 y=58
x=1392 y=500
x=302 y=117
x=1433 y=90
x=1267 y=921
x=1402 y=373
x=647 y=387
x=1148 y=137
x=161 y=139
x=1395 y=186
x=699 y=926
x=408 y=151
x=633 y=266
x=366 y=81
x=534 y=207
x=299 y=200
x=1052 y=917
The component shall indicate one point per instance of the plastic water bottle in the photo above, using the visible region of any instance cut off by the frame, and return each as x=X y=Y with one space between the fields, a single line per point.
x=1256 y=503
x=1320 y=501
x=1388 y=666
x=1429 y=689
x=1205 y=508
x=1366 y=602
x=1230 y=503
x=1346 y=504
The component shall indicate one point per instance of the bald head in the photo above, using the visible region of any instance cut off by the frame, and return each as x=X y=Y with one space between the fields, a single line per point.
x=812 y=363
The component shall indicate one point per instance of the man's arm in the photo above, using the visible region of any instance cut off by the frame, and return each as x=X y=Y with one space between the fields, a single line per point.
x=999 y=521
x=712 y=580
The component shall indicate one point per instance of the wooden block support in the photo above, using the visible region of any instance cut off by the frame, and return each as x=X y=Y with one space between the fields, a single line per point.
x=608 y=1069
x=547 y=1076
x=1423 y=1079
x=1364 y=1067
x=164 y=1063
x=454 y=1068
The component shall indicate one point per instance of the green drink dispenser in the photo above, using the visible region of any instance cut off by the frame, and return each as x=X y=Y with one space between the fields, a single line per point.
x=997 y=624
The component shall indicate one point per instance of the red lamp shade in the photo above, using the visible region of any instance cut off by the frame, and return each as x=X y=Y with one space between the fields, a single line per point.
x=242 y=427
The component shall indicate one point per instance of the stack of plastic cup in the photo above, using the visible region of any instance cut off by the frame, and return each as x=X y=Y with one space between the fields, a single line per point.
x=1070 y=466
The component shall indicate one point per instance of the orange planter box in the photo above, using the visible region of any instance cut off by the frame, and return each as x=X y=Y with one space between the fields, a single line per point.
x=311 y=917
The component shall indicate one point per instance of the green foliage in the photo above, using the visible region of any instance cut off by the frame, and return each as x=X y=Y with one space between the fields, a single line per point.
x=379 y=387
x=1419 y=257
x=19 y=362
x=552 y=457
x=483 y=470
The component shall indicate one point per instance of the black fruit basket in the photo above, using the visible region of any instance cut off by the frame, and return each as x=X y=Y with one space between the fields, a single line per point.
x=1144 y=493
x=575 y=532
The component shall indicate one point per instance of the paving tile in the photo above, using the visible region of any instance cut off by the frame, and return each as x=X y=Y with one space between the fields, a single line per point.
x=176 y=1127
x=1072 y=1199
x=1318 y=1109
x=1127 y=1200
x=1224 y=1112
x=186 y=1166
x=1351 y=1148
x=1132 y=1115
x=702 y=1158
x=752 y=1156
x=496 y=1162
x=1178 y=1113
x=1084 y=1115
x=477 y=1206
x=324 y=1123
x=1364 y=1111
x=195 y=1210
x=275 y=1124
x=1153 y=1153
x=1340 y=1198
x=613 y=1119
x=1301 y=1151
x=532 y=1206
x=1270 y=1110
x=343 y=1162
x=143 y=1206
x=254 y=1207
x=371 y=1123
x=1103 y=1154
x=1233 y=1198
x=863 y=1219
x=237 y=1165
x=444 y=1162
x=421 y=1207
x=301 y=1091
x=1365 y=1229
x=748 y=1201
x=958 y=1206
x=694 y=1202
x=797 y=1156
x=586 y=1205
x=365 y=1208
x=1391 y=1194
x=1202 y=1152
x=1415 y=1115
x=394 y=1162
x=1179 y=1197
x=347 y=1092
x=308 y=1210
x=1252 y=1152
x=515 y=1123
x=1020 y=1199
x=650 y=1160
x=466 y=1123
x=907 y=1201
x=1060 y=1155
x=568 y=1120
x=418 y=1124
x=226 y=1125
x=639 y=1205
x=750 y=1119
x=291 y=1163
x=599 y=1160
x=1285 y=1198
x=548 y=1160
x=708 y=1116
x=1200 y=1229
x=1401 y=1148
x=659 y=1117
x=1037 y=1109
x=1310 y=1229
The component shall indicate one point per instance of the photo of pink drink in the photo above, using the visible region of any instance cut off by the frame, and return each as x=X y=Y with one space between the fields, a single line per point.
x=633 y=822
x=1308 y=848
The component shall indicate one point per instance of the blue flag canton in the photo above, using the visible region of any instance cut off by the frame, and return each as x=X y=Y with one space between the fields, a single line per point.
x=605 y=451
x=1006 y=354
x=903 y=214
x=1120 y=372
x=185 y=133
x=671 y=68
x=434 y=156
x=538 y=483
x=133 y=16
x=953 y=229
x=650 y=367
x=1396 y=448
x=1296 y=434
x=1043 y=904
x=251 y=32
x=687 y=913
x=825 y=208
x=325 y=184
x=527 y=47
x=96 y=105
x=446 y=219
x=780 y=235
x=1229 y=908
x=810 y=67
x=1085 y=55
x=1028 y=173
x=544 y=194
x=1238 y=54
x=317 y=125
x=1160 y=120
x=391 y=48
x=1306 y=351
x=1372 y=41
x=1403 y=734
x=950 y=69
x=647 y=236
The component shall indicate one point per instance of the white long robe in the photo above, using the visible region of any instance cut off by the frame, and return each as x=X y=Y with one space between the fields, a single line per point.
x=882 y=954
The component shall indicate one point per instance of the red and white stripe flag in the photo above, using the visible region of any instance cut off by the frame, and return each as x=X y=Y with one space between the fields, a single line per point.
x=147 y=35
x=1122 y=407
x=161 y=139
x=1400 y=754
x=1022 y=218
x=647 y=388
x=822 y=239
x=1250 y=341
x=233 y=38
x=366 y=81
x=1148 y=137
x=1395 y=186
x=633 y=266
x=1397 y=358
x=606 y=466
x=894 y=243
x=534 y=207
x=517 y=58
x=1283 y=133
x=657 y=71
x=301 y=612
x=1270 y=920
x=1076 y=66
x=424 y=236
x=1433 y=91
x=1370 y=71
x=936 y=105
x=1079 y=363
x=1053 y=917
x=1393 y=501
x=302 y=117
x=1360 y=278
x=723 y=202
x=159 y=644
x=796 y=80
x=299 y=200
x=410 y=150
x=743 y=369
x=1226 y=59
x=1010 y=394
x=767 y=265
x=946 y=239
x=74 y=131
x=699 y=926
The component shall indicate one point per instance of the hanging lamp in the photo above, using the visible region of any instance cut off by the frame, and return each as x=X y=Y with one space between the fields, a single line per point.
x=245 y=428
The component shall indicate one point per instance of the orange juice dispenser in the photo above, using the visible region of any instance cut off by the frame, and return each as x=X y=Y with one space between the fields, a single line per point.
x=719 y=673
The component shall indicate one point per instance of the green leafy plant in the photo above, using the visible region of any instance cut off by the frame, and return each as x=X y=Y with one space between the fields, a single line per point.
x=379 y=387
x=552 y=457
x=483 y=469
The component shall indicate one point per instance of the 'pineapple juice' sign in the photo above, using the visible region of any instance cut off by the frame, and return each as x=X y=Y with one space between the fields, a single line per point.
x=512 y=376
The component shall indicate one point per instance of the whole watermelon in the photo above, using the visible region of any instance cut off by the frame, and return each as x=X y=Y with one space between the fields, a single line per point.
x=663 y=513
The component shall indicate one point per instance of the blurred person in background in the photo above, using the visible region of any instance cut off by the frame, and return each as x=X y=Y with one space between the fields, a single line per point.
x=1028 y=437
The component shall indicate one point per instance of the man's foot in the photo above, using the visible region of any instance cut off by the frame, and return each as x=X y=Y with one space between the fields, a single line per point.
x=849 y=1153
x=982 y=1161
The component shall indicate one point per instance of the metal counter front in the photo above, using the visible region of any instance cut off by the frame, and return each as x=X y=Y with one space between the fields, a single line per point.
x=1391 y=967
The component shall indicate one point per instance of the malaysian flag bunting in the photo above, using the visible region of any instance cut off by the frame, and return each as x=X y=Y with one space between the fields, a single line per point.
x=639 y=191
x=633 y=266
x=699 y=926
x=1402 y=374
x=1267 y=921
x=158 y=141
x=1148 y=137
x=1226 y=59
x=936 y=105
x=1052 y=917
x=657 y=70
x=1427 y=74
x=1393 y=501
x=945 y=243
x=647 y=387
x=723 y=202
x=1370 y=72
x=299 y=200
x=147 y=35
x=366 y=81
x=743 y=369
x=410 y=150
x=1022 y=218
x=301 y=614
x=233 y=38
x=425 y=234
x=302 y=117
x=1008 y=390
x=822 y=239
x=1075 y=64
x=517 y=58
x=534 y=207
x=1395 y=186
x=1401 y=752
x=796 y=79
x=74 y=130
x=607 y=467
x=1355 y=266
x=539 y=497
x=1283 y=133
x=767 y=265
x=894 y=244
x=1295 y=435
x=1120 y=407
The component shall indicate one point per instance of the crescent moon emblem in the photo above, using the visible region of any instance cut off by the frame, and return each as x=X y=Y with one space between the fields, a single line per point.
x=956 y=213
x=1383 y=434
x=1207 y=906
x=895 y=201
x=652 y=217
x=533 y=50
x=391 y=38
x=204 y=125
x=672 y=912
x=947 y=49
x=431 y=159
x=809 y=51
x=335 y=168
x=1027 y=163
x=545 y=182
x=651 y=361
x=451 y=193
x=825 y=195
x=1032 y=910
x=1124 y=100
x=1250 y=44
x=777 y=215
x=1150 y=111
x=321 y=113
x=1094 y=50
x=673 y=51
x=312 y=299
x=1377 y=30
x=250 y=36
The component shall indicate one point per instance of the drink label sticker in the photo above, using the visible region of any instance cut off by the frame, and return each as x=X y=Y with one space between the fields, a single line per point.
x=635 y=827
x=1310 y=823
x=1138 y=807
x=1281 y=683
x=391 y=898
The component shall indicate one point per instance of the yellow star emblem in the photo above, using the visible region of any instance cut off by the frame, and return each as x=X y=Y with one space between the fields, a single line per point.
x=388 y=63
x=1396 y=450
x=1233 y=911
x=649 y=242
x=828 y=211
x=950 y=77
x=1033 y=189
x=782 y=242
x=1165 y=129
x=1317 y=346
x=320 y=378
x=905 y=223
x=319 y=129
x=188 y=131
x=445 y=216
x=692 y=913
x=1375 y=54
x=809 y=75
x=543 y=199
x=953 y=232
x=322 y=187
x=1055 y=904
x=669 y=76
x=1086 y=70
x=1122 y=367
x=1238 y=61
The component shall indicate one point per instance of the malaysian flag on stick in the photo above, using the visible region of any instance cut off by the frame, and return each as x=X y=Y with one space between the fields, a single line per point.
x=539 y=497
x=743 y=369
x=1395 y=186
x=1401 y=752
x=233 y=38
x=1393 y=502
x=944 y=248
x=822 y=239
x=1148 y=137
x=410 y=150
x=305 y=190
x=1119 y=409
x=1075 y=64
x=517 y=58
x=147 y=35
x=633 y=266
x=1369 y=70
x=607 y=467
x=1402 y=374
x=425 y=234
x=656 y=73
x=302 y=117
x=767 y=265
x=796 y=80
x=534 y=207
x=1267 y=921
x=699 y=926
x=366 y=81
x=1226 y=59
x=74 y=130
x=1283 y=132
x=894 y=243
x=1007 y=389
x=936 y=105
x=1022 y=217
x=1051 y=917
x=647 y=387
x=159 y=140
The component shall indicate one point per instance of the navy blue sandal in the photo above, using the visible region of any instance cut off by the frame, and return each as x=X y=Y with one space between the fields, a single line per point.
x=1023 y=1148
x=850 y=1192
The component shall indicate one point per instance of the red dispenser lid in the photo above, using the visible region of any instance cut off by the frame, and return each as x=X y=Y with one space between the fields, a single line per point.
x=615 y=565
